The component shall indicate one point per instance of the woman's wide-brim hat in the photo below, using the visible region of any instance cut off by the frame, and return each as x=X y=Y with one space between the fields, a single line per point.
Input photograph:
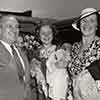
x=85 y=13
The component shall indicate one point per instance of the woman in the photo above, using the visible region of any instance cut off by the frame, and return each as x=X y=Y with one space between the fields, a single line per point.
x=84 y=54
x=46 y=34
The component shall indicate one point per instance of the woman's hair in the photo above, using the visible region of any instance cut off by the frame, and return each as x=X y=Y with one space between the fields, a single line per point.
x=98 y=27
x=53 y=28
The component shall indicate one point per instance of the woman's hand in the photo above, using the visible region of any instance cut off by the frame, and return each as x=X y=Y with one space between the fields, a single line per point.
x=35 y=62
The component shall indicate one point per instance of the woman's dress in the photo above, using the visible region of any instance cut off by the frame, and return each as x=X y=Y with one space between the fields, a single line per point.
x=84 y=85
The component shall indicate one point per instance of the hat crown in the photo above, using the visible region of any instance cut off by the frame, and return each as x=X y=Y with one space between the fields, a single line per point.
x=87 y=11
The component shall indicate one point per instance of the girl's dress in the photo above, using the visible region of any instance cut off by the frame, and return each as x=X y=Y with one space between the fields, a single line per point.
x=57 y=76
x=41 y=55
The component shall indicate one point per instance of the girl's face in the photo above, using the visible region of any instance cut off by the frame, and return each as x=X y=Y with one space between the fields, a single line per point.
x=88 y=25
x=46 y=34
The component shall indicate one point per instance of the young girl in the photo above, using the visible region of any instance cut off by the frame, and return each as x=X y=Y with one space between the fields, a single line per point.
x=57 y=75
x=46 y=34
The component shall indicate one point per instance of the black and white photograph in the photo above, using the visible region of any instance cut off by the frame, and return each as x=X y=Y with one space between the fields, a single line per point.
x=49 y=49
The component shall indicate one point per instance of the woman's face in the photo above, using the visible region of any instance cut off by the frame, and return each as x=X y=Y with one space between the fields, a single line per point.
x=88 y=25
x=46 y=34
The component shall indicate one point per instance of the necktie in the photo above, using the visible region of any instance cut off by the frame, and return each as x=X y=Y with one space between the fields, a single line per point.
x=20 y=69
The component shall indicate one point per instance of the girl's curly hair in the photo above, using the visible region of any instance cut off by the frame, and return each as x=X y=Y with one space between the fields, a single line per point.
x=54 y=30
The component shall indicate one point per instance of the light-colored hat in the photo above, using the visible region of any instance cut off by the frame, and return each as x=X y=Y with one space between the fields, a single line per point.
x=85 y=13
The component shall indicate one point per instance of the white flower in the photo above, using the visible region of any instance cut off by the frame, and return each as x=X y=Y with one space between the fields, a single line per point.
x=30 y=47
x=30 y=41
x=32 y=37
x=27 y=37
x=56 y=59
x=93 y=58
x=26 y=44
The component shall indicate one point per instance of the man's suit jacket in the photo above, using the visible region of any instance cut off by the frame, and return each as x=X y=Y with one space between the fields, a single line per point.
x=10 y=86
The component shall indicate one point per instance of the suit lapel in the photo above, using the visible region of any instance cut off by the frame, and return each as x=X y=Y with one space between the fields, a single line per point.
x=22 y=56
x=4 y=53
x=26 y=63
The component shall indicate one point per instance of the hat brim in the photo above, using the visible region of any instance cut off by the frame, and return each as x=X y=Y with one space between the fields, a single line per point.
x=74 y=25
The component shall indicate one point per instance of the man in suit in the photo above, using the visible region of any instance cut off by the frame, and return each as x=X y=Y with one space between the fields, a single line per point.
x=14 y=78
